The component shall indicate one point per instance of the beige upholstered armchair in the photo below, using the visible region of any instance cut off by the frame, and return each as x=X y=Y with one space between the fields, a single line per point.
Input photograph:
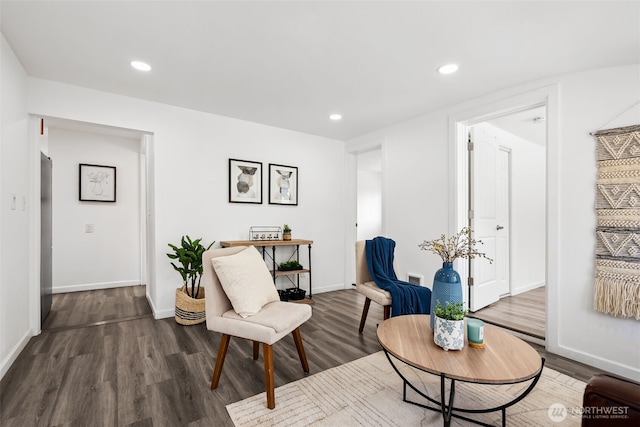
x=241 y=301
x=367 y=287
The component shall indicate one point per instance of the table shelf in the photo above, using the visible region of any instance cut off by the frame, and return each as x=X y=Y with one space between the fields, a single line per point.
x=273 y=244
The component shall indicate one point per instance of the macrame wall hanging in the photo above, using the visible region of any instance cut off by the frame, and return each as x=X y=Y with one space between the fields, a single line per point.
x=617 y=275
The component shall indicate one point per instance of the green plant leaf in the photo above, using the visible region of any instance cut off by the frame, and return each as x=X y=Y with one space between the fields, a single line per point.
x=451 y=311
x=189 y=256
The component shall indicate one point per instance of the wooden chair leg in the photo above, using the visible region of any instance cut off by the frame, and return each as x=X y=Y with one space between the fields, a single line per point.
x=297 y=338
x=365 y=311
x=222 y=352
x=268 y=375
x=256 y=350
x=387 y=312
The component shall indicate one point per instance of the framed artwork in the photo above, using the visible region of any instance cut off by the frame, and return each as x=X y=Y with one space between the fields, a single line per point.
x=283 y=185
x=245 y=181
x=97 y=183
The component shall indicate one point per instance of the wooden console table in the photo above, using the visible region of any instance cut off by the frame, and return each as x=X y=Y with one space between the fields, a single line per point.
x=263 y=244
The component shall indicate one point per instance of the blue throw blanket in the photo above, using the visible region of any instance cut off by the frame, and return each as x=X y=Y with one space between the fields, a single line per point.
x=406 y=298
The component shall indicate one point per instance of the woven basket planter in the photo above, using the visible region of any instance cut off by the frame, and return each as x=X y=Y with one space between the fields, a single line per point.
x=189 y=311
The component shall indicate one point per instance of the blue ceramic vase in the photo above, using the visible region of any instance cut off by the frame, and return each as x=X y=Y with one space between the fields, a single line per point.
x=446 y=287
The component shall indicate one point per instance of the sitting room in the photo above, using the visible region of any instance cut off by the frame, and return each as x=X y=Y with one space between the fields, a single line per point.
x=189 y=191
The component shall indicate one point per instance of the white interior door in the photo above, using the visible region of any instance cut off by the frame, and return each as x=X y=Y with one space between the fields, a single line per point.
x=489 y=201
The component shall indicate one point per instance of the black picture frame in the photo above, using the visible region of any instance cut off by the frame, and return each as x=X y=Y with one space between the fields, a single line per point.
x=245 y=181
x=96 y=183
x=283 y=185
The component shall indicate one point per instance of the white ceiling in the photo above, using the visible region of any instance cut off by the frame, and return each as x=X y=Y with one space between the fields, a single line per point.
x=290 y=64
x=529 y=124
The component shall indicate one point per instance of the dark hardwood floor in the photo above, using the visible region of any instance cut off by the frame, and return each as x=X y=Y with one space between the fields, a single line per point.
x=524 y=313
x=133 y=370
x=80 y=309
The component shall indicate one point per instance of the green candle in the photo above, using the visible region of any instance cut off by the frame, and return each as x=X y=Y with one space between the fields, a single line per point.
x=475 y=330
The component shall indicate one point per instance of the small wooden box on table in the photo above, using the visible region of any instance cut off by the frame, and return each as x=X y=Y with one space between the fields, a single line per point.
x=264 y=244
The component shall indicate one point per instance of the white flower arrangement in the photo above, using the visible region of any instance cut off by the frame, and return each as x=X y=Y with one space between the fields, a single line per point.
x=460 y=245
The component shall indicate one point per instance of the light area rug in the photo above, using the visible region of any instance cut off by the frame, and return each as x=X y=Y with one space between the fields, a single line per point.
x=368 y=392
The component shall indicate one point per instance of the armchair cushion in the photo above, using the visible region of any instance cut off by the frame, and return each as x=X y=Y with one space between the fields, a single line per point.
x=246 y=281
x=374 y=293
x=274 y=321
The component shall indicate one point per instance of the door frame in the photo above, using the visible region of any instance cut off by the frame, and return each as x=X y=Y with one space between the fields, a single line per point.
x=351 y=203
x=147 y=235
x=459 y=122
x=377 y=149
x=507 y=150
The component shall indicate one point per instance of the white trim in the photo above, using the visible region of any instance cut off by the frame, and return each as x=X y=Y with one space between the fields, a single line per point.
x=527 y=288
x=351 y=217
x=34 y=224
x=95 y=286
x=14 y=353
x=160 y=314
x=458 y=123
x=330 y=288
x=626 y=371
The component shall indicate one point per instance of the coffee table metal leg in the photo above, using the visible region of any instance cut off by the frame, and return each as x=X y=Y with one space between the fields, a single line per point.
x=447 y=409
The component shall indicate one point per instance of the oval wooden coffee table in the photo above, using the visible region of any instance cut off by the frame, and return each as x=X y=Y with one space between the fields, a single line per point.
x=505 y=359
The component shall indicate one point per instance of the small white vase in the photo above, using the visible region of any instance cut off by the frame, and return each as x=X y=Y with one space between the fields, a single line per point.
x=449 y=334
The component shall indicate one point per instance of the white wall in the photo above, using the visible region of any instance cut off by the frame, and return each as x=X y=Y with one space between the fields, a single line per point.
x=110 y=256
x=15 y=312
x=528 y=209
x=419 y=150
x=191 y=151
x=589 y=102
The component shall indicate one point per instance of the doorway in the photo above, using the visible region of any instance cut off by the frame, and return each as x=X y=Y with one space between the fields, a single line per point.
x=507 y=194
x=369 y=194
x=91 y=224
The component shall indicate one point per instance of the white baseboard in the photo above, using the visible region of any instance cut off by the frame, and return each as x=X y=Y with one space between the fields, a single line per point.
x=14 y=353
x=598 y=362
x=94 y=286
x=160 y=314
x=328 y=288
x=171 y=312
x=526 y=288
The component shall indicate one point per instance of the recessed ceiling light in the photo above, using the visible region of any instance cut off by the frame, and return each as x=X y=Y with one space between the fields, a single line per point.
x=335 y=116
x=142 y=66
x=448 y=69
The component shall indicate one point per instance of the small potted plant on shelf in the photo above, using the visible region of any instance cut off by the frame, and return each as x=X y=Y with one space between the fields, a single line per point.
x=290 y=265
x=449 y=325
x=286 y=232
x=190 y=302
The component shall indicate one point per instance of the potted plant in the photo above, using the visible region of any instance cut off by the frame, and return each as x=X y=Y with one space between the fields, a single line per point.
x=190 y=303
x=449 y=330
x=290 y=265
x=286 y=232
